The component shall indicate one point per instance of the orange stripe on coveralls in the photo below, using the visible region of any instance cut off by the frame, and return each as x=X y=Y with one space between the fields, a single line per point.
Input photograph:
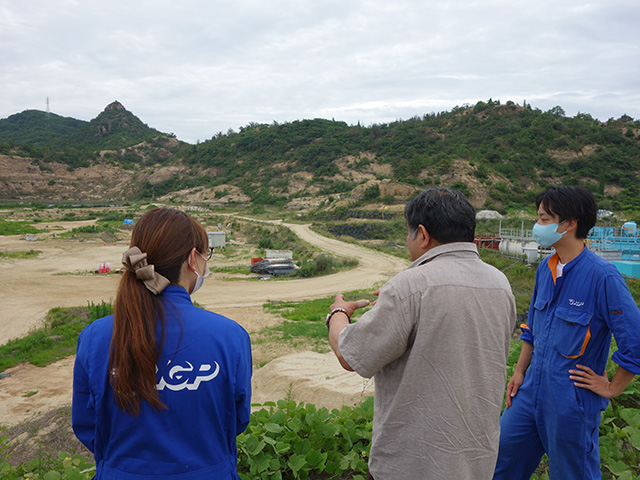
x=587 y=337
x=553 y=266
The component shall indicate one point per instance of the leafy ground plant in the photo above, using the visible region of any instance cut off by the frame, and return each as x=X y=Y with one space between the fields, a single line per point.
x=296 y=441
x=65 y=468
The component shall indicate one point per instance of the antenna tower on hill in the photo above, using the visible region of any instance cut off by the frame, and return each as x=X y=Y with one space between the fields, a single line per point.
x=48 y=112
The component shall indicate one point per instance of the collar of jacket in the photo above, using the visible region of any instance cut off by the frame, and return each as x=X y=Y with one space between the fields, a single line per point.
x=568 y=266
x=444 y=249
x=177 y=294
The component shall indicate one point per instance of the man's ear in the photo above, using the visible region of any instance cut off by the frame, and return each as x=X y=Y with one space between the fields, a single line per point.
x=571 y=224
x=423 y=236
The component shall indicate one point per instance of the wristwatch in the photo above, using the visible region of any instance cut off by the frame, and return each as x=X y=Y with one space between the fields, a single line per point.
x=335 y=310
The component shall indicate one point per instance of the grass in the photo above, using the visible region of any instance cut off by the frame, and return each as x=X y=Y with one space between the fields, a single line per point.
x=56 y=341
x=16 y=228
x=22 y=255
x=305 y=321
x=230 y=270
x=315 y=310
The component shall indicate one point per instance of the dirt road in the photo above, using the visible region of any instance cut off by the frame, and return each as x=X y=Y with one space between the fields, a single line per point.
x=60 y=276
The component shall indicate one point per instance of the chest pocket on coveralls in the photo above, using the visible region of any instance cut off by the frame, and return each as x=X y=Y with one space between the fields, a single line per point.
x=572 y=332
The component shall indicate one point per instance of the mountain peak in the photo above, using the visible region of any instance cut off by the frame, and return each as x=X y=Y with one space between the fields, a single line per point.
x=117 y=127
x=114 y=106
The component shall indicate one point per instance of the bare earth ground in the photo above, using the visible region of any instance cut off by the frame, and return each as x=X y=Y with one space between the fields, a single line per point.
x=60 y=276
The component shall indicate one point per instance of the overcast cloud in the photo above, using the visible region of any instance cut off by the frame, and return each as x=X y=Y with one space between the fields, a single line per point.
x=195 y=68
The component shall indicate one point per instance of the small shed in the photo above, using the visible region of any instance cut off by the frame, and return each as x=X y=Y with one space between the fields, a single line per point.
x=217 y=239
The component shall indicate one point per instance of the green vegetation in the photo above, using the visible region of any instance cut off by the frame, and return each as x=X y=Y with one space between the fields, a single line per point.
x=63 y=467
x=16 y=228
x=283 y=441
x=36 y=128
x=324 y=265
x=267 y=236
x=57 y=340
x=512 y=151
x=50 y=138
x=294 y=441
x=507 y=151
x=21 y=254
x=275 y=237
x=305 y=321
x=521 y=277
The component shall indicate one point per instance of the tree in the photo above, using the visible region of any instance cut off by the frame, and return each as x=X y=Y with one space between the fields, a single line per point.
x=372 y=192
x=557 y=111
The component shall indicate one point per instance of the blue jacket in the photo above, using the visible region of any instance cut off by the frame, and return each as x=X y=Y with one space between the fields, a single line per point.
x=571 y=320
x=203 y=377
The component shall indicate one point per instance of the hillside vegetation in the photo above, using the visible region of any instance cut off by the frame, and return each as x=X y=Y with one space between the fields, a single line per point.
x=500 y=155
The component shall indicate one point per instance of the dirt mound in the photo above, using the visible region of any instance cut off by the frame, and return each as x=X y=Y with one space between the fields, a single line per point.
x=310 y=377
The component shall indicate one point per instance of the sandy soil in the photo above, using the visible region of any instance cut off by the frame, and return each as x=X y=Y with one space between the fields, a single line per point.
x=61 y=276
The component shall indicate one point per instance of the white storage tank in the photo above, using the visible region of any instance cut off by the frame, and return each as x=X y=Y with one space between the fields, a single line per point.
x=517 y=247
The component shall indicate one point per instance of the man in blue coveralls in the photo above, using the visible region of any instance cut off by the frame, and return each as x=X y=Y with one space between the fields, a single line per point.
x=560 y=385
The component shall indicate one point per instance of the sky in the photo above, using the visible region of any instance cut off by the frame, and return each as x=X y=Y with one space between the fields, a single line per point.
x=196 y=68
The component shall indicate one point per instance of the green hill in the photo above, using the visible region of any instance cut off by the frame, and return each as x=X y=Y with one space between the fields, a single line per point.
x=508 y=150
x=36 y=128
x=500 y=155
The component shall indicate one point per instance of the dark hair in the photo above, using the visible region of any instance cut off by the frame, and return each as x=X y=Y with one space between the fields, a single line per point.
x=445 y=213
x=167 y=236
x=570 y=203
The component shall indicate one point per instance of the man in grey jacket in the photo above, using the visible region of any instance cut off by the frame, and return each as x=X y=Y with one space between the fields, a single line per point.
x=436 y=341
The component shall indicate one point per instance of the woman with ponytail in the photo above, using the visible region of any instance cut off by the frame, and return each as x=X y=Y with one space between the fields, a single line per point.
x=162 y=388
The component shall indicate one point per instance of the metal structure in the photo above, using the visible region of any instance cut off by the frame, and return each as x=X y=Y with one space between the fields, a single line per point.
x=520 y=241
x=625 y=240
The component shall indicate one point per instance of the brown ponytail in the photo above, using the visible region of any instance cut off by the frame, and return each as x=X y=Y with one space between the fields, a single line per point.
x=167 y=236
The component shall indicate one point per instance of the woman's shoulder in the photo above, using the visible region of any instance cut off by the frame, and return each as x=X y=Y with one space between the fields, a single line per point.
x=205 y=320
x=101 y=326
x=95 y=336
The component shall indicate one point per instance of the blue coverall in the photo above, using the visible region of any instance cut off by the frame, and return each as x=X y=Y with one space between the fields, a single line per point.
x=203 y=377
x=571 y=319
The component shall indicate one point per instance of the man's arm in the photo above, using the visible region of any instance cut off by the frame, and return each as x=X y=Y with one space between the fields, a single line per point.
x=339 y=321
x=518 y=375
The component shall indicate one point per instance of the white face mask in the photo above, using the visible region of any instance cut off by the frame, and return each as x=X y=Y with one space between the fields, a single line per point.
x=200 y=278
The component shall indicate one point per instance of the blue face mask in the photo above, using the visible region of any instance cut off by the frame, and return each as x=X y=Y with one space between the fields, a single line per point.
x=547 y=235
